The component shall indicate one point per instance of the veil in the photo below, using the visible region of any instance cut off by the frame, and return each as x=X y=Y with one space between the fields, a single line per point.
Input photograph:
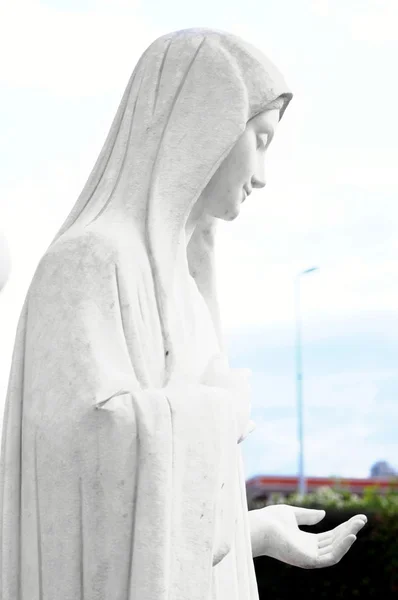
x=185 y=105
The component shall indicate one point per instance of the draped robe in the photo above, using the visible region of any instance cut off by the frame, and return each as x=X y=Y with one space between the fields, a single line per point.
x=121 y=471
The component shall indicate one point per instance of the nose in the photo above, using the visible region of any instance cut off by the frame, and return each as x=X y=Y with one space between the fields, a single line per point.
x=258 y=183
x=258 y=178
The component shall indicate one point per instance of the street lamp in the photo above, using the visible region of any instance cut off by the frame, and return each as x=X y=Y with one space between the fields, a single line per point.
x=302 y=487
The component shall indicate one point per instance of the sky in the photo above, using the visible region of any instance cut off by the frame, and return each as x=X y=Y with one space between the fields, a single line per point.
x=331 y=201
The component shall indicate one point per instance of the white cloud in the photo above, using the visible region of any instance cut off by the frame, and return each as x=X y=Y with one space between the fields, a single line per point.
x=344 y=165
x=377 y=23
x=343 y=450
x=5 y=263
x=321 y=7
x=71 y=53
x=345 y=416
x=271 y=448
x=257 y=289
x=355 y=391
x=372 y=21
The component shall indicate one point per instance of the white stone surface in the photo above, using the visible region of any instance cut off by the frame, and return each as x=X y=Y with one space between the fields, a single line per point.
x=121 y=468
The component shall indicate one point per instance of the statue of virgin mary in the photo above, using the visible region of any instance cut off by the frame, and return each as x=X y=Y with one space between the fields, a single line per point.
x=121 y=471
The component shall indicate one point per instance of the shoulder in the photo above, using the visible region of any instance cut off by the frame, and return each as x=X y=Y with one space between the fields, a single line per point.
x=86 y=259
x=89 y=248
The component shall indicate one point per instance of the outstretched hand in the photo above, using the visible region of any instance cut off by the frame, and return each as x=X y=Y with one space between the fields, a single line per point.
x=275 y=532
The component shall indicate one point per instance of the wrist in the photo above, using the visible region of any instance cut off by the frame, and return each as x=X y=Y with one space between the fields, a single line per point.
x=256 y=533
x=263 y=534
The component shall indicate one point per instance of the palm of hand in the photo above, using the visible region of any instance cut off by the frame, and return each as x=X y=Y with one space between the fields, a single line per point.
x=288 y=543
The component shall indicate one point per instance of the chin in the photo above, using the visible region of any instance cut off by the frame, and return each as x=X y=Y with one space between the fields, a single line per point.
x=229 y=213
x=232 y=213
x=229 y=216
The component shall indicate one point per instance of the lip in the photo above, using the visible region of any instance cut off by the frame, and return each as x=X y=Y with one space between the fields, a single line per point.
x=247 y=192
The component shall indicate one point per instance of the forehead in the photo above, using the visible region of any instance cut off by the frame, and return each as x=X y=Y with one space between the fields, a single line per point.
x=266 y=120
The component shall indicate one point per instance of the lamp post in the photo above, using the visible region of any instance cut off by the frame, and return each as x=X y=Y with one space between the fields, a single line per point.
x=302 y=487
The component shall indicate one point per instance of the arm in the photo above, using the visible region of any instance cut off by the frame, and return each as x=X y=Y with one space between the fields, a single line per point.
x=264 y=534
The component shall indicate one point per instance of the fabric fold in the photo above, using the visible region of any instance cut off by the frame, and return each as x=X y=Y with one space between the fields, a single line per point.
x=123 y=492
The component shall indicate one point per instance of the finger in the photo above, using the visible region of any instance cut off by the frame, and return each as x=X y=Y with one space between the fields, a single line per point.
x=328 y=559
x=356 y=526
x=325 y=542
x=344 y=546
x=325 y=550
x=345 y=527
x=362 y=517
x=353 y=525
x=326 y=535
x=308 y=516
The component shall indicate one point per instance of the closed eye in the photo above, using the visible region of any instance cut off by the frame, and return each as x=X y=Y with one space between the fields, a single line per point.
x=262 y=141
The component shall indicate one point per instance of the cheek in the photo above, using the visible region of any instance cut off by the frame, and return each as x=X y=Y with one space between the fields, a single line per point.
x=226 y=186
x=244 y=159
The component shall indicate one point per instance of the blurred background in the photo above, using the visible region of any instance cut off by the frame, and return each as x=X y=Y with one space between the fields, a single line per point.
x=330 y=203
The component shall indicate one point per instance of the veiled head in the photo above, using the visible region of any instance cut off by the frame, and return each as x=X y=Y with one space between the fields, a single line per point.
x=243 y=170
x=189 y=126
x=188 y=116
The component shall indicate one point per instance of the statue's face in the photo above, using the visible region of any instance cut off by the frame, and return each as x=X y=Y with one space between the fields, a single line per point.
x=242 y=170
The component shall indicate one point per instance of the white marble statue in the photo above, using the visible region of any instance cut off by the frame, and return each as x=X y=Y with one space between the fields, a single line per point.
x=121 y=471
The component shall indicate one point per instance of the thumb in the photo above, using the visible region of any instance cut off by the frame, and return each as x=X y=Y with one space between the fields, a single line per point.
x=308 y=516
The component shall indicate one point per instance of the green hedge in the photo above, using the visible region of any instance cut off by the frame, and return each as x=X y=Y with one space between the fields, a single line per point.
x=368 y=570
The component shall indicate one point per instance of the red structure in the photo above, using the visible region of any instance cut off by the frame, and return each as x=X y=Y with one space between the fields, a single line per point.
x=264 y=485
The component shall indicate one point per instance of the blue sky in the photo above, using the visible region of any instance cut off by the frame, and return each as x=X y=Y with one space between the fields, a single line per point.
x=330 y=201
